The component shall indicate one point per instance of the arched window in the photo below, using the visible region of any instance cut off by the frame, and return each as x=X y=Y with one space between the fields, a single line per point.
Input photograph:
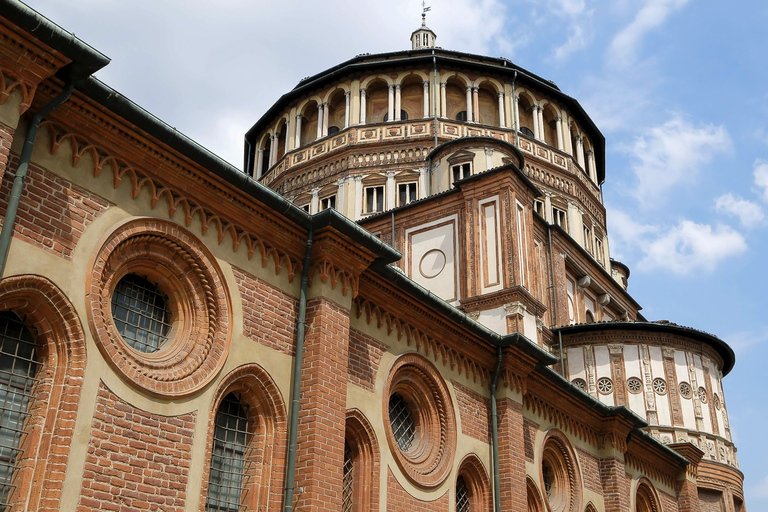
x=473 y=488
x=462 y=496
x=462 y=116
x=403 y=116
x=359 y=487
x=645 y=498
x=230 y=441
x=18 y=368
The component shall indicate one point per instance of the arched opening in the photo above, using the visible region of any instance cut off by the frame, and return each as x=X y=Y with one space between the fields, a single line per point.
x=455 y=99
x=230 y=442
x=309 y=123
x=337 y=111
x=412 y=97
x=361 y=460
x=525 y=113
x=487 y=106
x=267 y=149
x=588 y=159
x=533 y=497
x=550 y=126
x=645 y=497
x=377 y=102
x=473 y=488
x=560 y=477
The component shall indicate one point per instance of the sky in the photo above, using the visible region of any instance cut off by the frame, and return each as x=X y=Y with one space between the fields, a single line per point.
x=678 y=88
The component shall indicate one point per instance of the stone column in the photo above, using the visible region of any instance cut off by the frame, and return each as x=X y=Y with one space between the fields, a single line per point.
x=592 y=169
x=580 y=151
x=567 y=137
x=541 y=124
x=423 y=182
x=397 y=102
x=426 y=98
x=358 y=197
x=391 y=190
x=548 y=207
x=272 y=150
x=287 y=136
x=475 y=105
x=340 y=196
x=259 y=162
x=320 y=120
x=363 y=104
x=298 y=131
x=443 y=108
x=488 y=158
x=347 y=104
x=314 y=204
x=535 y=118
x=391 y=104
x=560 y=144
x=516 y=106
x=470 y=114
x=326 y=115
x=502 y=117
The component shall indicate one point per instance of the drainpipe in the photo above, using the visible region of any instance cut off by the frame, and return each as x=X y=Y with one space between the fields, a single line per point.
x=495 y=436
x=554 y=300
x=434 y=95
x=293 y=428
x=21 y=173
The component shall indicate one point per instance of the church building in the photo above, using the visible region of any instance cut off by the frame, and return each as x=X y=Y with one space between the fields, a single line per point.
x=404 y=301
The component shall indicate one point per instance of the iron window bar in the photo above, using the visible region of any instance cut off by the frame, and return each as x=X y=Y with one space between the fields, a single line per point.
x=140 y=313
x=403 y=426
x=348 y=481
x=227 y=482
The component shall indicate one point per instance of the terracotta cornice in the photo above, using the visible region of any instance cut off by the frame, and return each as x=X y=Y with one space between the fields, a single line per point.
x=339 y=259
x=691 y=452
x=514 y=294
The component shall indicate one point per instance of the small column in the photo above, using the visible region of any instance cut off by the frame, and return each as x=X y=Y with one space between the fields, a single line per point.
x=272 y=150
x=319 y=120
x=516 y=107
x=391 y=104
x=314 y=204
x=443 y=107
x=575 y=223
x=502 y=120
x=423 y=182
x=358 y=197
x=347 y=104
x=548 y=208
x=397 y=102
x=391 y=190
x=592 y=169
x=287 y=137
x=488 y=158
x=475 y=105
x=340 y=196
x=535 y=116
x=298 y=130
x=470 y=115
x=326 y=115
x=567 y=137
x=541 y=124
x=559 y=121
x=363 y=103
x=259 y=162
x=426 y=98
x=580 y=151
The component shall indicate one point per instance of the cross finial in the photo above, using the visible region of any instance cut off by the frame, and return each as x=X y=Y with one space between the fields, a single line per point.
x=424 y=11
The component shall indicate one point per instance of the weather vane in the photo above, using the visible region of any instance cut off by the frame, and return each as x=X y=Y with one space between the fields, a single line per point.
x=424 y=11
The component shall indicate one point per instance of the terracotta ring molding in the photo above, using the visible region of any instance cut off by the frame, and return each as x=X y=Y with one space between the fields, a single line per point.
x=188 y=274
x=428 y=462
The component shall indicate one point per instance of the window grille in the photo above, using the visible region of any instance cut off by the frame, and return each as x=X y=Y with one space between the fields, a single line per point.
x=462 y=496
x=549 y=480
x=348 y=481
x=401 y=421
x=659 y=386
x=230 y=441
x=140 y=313
x=634 y=385
x=18 y=367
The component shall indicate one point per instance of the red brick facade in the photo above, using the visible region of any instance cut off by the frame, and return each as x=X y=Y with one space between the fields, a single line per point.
x=474 y=411
x=364 y=357
x=400 y=500
x=136 y=460
x=590 y=471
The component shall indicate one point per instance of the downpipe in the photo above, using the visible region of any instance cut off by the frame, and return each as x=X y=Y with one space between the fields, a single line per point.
x=495 y=436
x=554 y=300
x=9 y=220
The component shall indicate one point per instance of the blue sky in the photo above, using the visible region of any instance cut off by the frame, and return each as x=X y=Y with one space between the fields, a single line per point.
x=678 y=88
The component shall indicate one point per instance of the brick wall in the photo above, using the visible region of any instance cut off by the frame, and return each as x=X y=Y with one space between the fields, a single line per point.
x=320 y=453
x=53 y=212
x=511 y=466
x=529 y=437
x=364 y=358
x=475 y=413
x=668 y=502
x=399 y=500
x=269 y=315
x=136 y=460
x=6 y=138
x=590 y=471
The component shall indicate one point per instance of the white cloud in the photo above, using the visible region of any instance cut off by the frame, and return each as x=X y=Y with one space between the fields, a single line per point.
x=576 y=41
x=672 y=154
x=750 y=214
x=651 y=15
x=744 y=341
x=760 y=173
x=761 y=489
x=579 y=22
x=690 y=247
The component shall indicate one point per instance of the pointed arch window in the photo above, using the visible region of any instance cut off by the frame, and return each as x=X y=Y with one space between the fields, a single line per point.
x=226 y=483
x=18 y=368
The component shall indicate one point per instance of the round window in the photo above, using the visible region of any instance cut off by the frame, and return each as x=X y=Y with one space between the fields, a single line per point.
x=660 y=386
x=702 y=394
x=559 y=474
x=421 y=424
x=717 y=401
x=140 y=312
x=580 y=383
x=634 y=385
x=685 y=390
x=605 y=385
